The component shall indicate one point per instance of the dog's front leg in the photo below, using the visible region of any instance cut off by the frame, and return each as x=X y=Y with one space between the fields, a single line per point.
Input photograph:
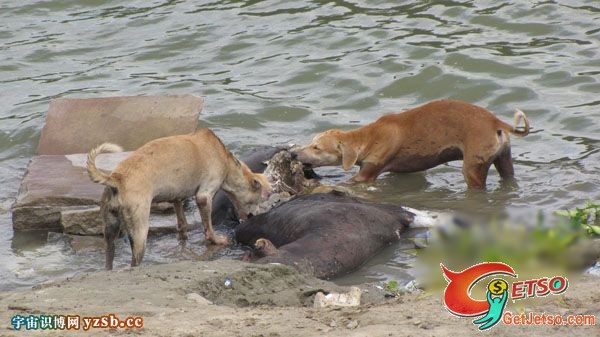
x=182 y=226
x=204 y=202
x=367 y=173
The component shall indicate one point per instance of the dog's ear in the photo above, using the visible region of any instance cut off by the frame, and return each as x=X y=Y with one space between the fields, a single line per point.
x=256 y=185
x=349 y=156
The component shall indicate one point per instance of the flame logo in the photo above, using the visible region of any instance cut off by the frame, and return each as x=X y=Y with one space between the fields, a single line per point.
x=457 y=296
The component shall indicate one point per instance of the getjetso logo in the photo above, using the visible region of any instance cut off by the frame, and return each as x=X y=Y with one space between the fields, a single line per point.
x=459 y=302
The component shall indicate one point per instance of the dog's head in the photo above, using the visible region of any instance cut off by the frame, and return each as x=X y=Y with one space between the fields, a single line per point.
x=328 y=149
x=264 y=247
x=257 y=189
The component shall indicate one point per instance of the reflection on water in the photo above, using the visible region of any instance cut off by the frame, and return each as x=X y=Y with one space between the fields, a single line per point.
x=275 y=72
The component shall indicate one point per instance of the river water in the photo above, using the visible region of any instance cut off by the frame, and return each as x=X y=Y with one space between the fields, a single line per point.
x=277 y=72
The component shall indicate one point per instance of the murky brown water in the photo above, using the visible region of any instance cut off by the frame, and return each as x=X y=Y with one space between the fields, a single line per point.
x=274 y=72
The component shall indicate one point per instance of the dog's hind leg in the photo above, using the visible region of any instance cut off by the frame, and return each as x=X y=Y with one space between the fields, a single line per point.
x=182 y=225
x=504 y=164
x=137 y=219
x=111 y=232
x=475 y=171
x=204 y=201
x=112 y=225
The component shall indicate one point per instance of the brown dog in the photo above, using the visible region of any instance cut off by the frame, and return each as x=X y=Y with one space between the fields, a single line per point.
x=419 y=139
x=172 y=169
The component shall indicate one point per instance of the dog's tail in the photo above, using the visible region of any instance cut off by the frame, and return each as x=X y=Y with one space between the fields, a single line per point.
x=516 y=130
x=95 y=174
x=520 y=116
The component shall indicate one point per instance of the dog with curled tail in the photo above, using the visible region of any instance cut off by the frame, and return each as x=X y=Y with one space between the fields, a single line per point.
x=171 y=169
x=419 y=139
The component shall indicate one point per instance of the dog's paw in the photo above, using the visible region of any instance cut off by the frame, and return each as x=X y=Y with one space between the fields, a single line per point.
x=219 y=239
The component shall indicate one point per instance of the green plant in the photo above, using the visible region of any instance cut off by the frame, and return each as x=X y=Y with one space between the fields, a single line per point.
x=392 y=287
x=532 y=250
x=587 y=217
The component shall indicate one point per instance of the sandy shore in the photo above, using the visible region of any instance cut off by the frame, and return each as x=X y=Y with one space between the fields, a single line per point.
x=190 y=299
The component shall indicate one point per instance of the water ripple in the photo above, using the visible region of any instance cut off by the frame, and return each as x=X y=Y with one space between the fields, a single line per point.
x=274 y=71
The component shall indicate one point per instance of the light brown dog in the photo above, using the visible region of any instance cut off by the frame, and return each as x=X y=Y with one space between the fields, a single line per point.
x=419 y=139
x=172 y=169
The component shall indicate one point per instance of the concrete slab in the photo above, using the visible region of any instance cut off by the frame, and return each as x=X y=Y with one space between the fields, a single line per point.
x=56 y=194
x=77 y=125
x=63 y=180
x=56 y=184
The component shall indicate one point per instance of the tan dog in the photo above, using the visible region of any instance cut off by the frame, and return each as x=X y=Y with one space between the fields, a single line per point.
x=172 y=169
x=419 y=139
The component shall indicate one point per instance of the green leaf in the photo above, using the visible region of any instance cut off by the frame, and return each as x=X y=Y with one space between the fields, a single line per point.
x=565 y=213
x=594 y=229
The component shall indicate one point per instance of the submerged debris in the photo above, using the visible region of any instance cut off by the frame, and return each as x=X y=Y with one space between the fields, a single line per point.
x=350 y=299
x=288 y=177
x=594 y=270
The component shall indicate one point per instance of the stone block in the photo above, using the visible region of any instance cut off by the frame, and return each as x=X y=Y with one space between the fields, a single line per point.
x=82 y=221
x=56 y=193
x=75 y=125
